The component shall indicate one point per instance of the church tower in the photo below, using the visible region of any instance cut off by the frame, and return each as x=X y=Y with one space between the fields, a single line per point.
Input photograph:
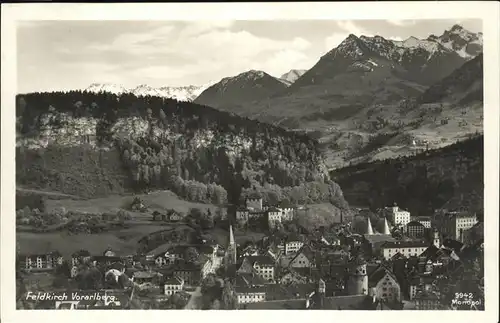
x=357 y=282
x=370 y=229
x=436 y=240
x=231 y=249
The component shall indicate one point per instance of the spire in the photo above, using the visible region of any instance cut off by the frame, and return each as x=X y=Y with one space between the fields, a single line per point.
x=370 y=229
x=231 y=236
x=386 y=227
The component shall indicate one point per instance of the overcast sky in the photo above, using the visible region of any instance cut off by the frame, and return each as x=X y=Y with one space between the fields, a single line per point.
x=63 y=55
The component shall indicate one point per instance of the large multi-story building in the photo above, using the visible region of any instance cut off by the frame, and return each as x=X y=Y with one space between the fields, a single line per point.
x=415 y=229
x=384 y=285
x=397 y=216
x=405 y=248
x=292 y=246
x=263 y=265
x=453 y=225
x=277 y=215
x=424 y=220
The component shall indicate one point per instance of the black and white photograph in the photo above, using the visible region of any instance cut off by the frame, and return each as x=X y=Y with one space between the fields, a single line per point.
x=250 y=164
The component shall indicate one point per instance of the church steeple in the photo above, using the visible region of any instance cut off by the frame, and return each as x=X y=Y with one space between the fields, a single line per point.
x=370 y=229
x=386 y=227
x=231 y=249
x=231 y=236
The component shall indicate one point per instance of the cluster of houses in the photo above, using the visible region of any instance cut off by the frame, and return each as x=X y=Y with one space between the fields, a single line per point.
x=332 y=269
x=169 y=216
x=160 y=272
x=342 y=270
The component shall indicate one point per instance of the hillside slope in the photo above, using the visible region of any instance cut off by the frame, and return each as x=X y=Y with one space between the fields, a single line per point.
x=463 y=86
x=373 y=98
x=450 y=177
x=93 y=145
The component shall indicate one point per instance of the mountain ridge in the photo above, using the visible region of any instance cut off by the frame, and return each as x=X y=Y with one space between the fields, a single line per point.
x=182 y=93
x=243 y=88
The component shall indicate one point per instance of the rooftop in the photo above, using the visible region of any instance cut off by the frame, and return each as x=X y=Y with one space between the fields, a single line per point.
x=245 y=290
x=249 y=279
x=415 y=223
x=254 y=195
x=378 y=274
x=287 y=304
x=261 y=260
x=173 y=281
x=144 y=274
x=405 y=244
x=344 y=302
x=376 y=238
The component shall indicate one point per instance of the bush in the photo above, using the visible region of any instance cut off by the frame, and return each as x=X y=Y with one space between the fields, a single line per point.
x=124 y=215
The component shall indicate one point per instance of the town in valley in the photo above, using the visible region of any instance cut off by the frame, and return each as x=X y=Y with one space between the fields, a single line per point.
x=414 y=263
x=352 y=182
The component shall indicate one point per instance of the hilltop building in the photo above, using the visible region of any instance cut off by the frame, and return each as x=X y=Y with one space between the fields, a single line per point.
x=254 y=202
x=397 y=216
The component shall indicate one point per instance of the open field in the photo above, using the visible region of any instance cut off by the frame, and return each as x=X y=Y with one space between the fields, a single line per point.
x=39 y=243
x=159 y=201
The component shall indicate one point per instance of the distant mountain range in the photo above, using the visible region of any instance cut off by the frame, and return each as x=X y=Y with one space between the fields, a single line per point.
x=180 y=93
x=371 y=86
x=363 y=88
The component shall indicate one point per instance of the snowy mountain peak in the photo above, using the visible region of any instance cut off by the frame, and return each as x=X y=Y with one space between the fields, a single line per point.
x=351 y=47
x=250 y=75
x=253 y=73
x=181 y=93
x=464 y=42
x=291 y=76
x=413 y=42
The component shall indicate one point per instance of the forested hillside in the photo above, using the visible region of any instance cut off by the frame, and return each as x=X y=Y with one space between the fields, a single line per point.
x=450 y=177
x=90 y=145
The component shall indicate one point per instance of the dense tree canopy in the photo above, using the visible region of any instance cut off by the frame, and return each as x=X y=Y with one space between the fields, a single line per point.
x=200 y=153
